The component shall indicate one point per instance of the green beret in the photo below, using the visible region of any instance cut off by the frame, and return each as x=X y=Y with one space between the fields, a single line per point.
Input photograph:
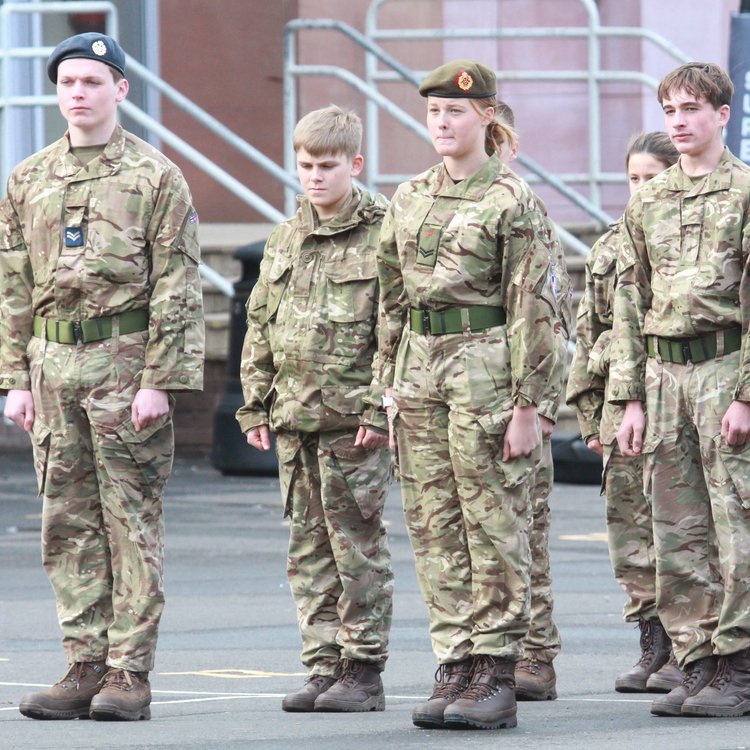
x=460 y=79
x=91 y=45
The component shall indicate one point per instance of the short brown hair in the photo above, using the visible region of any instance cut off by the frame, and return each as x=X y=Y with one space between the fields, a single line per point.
x=705 y=80
x=330 y=130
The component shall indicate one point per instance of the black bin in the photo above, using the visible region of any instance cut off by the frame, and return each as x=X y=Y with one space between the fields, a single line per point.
x=230 y=453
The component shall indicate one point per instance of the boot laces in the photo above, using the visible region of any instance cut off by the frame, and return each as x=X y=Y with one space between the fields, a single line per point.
x=531 y=666
x=723 y=674
x=693 y=674
x=484 y=667
x=450 y=680
x=318 y=680
x=74 y=674
x=350 y=671
x=118 y=678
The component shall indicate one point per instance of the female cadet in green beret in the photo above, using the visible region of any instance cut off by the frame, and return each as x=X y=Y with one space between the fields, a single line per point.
x=467 y=343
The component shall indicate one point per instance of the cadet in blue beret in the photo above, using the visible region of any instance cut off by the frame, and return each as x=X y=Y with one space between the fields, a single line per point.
x=91 y=45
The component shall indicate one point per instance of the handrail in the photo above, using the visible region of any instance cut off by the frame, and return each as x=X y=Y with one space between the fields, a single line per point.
x=592 y=31
x=421 y=131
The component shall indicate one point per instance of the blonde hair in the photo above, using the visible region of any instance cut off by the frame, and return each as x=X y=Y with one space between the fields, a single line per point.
x=500 y=129
x=330 y=130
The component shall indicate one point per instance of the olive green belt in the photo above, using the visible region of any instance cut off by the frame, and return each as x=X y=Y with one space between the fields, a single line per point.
x=698 y=349
x=455 y=319
x=86 y=331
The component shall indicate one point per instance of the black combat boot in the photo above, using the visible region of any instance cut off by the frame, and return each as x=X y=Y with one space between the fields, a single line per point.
x=490 y=700
x=655 y=647
x=304 y=698
x=450 y=681
x=728 y=693
x=697 y=675
x=69 y=698
x=359 y=688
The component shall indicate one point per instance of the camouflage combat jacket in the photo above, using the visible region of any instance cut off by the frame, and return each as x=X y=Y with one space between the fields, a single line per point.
x=589 y=370
x=311 y=323
x=482 y=241
x=683 y=268
x=81 y=242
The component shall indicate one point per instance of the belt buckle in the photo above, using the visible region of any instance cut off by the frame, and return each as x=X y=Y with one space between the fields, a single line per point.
x=426 y=328
x=78 y=332
x=685 y=351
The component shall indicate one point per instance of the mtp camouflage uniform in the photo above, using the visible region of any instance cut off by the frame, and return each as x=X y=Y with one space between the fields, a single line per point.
x=101 y=296
x=468 y=329
x=543 y=641
x=628 y=513
x=680 y=343
x=306 y=369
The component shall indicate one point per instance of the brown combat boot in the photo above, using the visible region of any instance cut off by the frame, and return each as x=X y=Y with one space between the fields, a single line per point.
x=728 y=693
x=697 y=675
x=655 y=647
x=359 y=688
x=535 y=680
x=490 y=701
x=304 y=698
x=125 y=696
x=667 y=678
x=450 y=681
x=69 y=698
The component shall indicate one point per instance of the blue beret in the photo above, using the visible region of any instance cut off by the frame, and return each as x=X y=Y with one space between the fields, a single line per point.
x=460 y=79
x=91 y=45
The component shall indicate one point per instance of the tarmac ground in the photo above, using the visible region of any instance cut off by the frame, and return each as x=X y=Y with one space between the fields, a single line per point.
x=229 y=646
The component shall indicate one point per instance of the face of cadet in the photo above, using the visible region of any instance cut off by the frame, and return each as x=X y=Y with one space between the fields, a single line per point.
x=692 y=123
x=327 y=180
x=641 y=168
x=88 y=96
x=456 y=128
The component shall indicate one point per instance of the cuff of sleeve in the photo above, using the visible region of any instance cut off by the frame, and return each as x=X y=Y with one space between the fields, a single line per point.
x=742 y=392
x=12 y=381
x=619 y=393
x=249 y=420
x=182 y=381
x=548 y=409
x=375 y=419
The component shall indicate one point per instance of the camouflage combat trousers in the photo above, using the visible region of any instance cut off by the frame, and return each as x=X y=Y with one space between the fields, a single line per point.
x=102 y=485
x=543 y=641
x=630 y=533
x=338 y=564
x=700 y=494
x=467 y=513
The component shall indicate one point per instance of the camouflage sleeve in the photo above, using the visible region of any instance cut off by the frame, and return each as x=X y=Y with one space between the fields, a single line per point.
x=550 y=402
x=16 y=314
x=742 y=391
x=175 y=348
x=533 y=326
x=257 y=370
x=632 y=300
x=392 y=312
x=585 y=391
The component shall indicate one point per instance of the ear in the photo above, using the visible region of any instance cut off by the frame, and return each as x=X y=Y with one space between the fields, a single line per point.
x=488 y=116
x=358 y=162
x=122 y=90
x=723 y=114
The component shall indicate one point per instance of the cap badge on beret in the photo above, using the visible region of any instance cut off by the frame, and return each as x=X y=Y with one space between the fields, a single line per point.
x=99 y=48
x=464 y=81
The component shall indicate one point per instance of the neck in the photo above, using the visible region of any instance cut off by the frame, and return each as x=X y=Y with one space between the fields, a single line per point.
x=94 y=137
x=699 y=164
x=466 y=166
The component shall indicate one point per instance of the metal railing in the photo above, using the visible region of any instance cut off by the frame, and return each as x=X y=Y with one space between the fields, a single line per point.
x=592 y=33
x=9 y=101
